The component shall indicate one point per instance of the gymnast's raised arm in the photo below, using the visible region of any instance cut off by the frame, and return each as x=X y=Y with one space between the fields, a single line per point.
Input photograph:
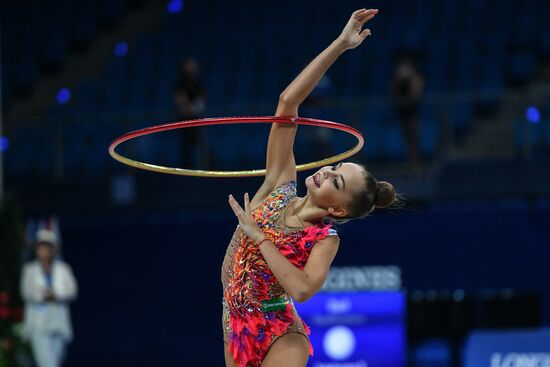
x=280 y=163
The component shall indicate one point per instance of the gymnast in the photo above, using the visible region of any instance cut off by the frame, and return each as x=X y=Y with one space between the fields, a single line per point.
x=284 y=245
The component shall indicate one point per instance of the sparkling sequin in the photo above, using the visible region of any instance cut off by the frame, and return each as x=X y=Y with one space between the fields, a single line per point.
x=247 y=280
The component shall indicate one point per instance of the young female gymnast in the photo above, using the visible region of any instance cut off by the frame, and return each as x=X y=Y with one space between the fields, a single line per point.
x=284 y=245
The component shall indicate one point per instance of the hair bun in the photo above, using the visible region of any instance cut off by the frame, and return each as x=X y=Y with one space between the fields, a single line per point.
x=385 y=195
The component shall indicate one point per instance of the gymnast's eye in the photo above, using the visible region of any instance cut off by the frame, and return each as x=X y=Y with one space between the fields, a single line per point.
x=336 y=183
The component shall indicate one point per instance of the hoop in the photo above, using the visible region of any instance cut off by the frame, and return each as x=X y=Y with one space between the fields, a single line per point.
x=233 y=120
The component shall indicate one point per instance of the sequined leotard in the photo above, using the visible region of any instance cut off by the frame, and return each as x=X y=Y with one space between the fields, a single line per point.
x=250 y=326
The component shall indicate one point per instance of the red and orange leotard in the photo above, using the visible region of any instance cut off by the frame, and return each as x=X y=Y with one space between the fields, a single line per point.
x=256 y=308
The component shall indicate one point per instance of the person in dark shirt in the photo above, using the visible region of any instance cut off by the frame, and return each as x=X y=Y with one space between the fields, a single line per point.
x=190 y=101
x=407 y=88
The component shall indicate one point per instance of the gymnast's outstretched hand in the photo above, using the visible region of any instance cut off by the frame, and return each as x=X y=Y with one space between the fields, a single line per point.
x=246 y=222
x=353 y=33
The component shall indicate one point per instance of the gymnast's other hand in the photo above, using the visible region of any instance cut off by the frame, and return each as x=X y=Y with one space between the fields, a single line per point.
x=246 y=222
x=353 y=33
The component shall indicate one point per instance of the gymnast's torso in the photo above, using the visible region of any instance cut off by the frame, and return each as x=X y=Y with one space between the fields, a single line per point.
x=256 y=308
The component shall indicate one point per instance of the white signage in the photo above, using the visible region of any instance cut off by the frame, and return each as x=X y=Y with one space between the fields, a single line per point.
x=375 y=278
x=520 y=359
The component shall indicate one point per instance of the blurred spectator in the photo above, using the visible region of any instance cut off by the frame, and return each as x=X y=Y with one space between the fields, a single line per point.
x=407 y=88
x=47 y=285
x=190 y=99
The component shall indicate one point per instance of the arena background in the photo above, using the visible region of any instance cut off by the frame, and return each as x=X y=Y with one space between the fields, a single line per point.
x=471 y=236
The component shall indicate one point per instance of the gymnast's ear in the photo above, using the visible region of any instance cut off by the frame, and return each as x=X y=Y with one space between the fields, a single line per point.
x=337 y=212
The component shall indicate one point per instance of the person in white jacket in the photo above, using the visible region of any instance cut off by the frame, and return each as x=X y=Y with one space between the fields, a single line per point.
x=47 y=286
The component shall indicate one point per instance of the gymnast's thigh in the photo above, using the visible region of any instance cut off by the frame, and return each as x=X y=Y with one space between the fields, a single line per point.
x=229 y=362
x=289 y=350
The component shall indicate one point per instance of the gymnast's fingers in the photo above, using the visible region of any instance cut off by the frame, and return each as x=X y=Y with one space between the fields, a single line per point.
x=368 y=15
x=365 y=33
x=235 y=206
x=358 y=13
x=246 y=203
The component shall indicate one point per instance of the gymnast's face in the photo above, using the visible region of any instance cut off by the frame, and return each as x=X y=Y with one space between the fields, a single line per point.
x=332 y=187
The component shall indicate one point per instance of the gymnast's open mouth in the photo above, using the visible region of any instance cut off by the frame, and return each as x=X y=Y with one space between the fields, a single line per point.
x=317 y=179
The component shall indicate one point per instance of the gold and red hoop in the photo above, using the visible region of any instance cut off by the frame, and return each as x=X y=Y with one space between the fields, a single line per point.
x=233 y=120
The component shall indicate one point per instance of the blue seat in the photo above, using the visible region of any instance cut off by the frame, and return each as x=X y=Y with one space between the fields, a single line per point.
x=394 y=148
x=525 y=24
x=546 y=132
x=110 y=10
x=26 y=74
x=461 y=114
x=529 y=137
x=6 y=86
x=56 y=49
x=17 y=157
x=374 y=141
x=521 y=66
x=84 y=21
x=86 y=97
x=243 y=83
x=544 y=40
x=433 y=353
x=226 y=154
x=429 y=136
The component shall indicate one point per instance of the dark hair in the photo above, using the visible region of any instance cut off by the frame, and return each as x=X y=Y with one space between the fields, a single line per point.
x=375 y=194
